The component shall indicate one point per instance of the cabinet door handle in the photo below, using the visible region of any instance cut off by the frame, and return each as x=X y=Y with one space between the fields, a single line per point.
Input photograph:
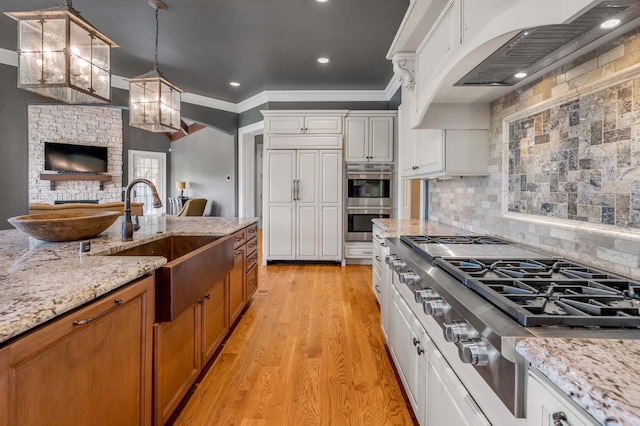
x=416 y=342
x=207 y=296
x=117 y=302
x=238 y=252
x=419 y=350
x=252 y=282
x=253 y=230
x=560 y=419
x=377 y=288
x=378 y=258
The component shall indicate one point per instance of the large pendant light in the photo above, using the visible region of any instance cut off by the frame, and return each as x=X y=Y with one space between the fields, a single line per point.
x=62 y=56
x=154 y=102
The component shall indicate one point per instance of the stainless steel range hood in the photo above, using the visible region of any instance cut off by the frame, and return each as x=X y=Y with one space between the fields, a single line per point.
x=534 y=49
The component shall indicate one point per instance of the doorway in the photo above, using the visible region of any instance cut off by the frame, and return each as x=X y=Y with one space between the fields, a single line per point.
x=258 y=183
x=152 y=166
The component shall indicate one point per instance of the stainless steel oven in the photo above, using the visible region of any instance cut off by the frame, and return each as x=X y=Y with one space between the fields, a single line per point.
x=369 y=185
x=368 y=188
x=358 y=225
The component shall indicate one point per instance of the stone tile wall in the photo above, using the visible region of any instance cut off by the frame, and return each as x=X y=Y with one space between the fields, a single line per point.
x=574 y=160
x=86 y=125
x=585 y=215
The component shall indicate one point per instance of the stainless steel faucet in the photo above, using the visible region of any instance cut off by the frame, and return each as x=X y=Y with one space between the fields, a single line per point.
x=127 y=225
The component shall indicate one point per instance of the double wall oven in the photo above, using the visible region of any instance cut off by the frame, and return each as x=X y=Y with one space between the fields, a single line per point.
x=368 y=188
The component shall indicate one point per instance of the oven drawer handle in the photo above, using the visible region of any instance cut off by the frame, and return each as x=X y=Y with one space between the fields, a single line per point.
x=369 y=209
x=560 y=419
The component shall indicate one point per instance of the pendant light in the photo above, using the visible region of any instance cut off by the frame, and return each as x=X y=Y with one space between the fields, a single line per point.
x=154 y=102
x=63 y=56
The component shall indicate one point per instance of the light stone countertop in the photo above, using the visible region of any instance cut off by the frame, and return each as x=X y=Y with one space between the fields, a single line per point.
x=393 y=228
x=41 y=280
x=600 y=375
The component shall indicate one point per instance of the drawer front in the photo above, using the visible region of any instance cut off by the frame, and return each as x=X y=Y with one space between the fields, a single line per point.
x=358 y=252
x=252 y=231
x=239 y=238
x=252 y=281
x=252 y=245
x=252 y=259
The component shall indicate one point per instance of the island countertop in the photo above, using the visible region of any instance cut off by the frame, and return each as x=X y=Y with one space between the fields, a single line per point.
x=41 y=280
x=396 y=227
x=600 y=375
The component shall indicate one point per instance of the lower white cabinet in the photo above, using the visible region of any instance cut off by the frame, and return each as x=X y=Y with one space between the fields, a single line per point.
x=436 y=394
x=448 y=401
x=381 y=279
x=546 y=406
x=303 y=209
x=407 y=342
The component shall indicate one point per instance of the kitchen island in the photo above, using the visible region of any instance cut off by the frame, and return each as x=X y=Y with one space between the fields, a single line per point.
x=81 y=338
x=40 y=280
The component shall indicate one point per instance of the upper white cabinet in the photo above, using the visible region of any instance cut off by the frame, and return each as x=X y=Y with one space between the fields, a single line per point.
x=303 y=129
x=369 y=137
x=438 y=153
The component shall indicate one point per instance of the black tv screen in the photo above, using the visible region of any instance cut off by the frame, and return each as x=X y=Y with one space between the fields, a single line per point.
x=64 y=157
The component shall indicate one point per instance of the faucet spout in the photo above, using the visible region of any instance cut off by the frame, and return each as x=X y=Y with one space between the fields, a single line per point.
x=127 y=225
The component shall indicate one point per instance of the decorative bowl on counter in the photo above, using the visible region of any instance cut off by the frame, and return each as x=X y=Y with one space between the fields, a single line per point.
x=68 y=226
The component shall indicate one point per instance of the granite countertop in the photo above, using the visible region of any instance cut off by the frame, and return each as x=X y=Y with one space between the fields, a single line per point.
x=395 y=227
x=41 y=280
x=600 y=375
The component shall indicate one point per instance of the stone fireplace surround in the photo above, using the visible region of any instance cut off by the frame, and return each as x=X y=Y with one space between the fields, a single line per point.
x=86 y=125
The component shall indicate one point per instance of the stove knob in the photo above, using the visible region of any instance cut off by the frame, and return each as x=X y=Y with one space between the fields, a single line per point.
x=457 y=331
x=390 y=257
x=435 y=307
x=474 y=351
x=399 y=265
x=425 y=293
x=409 y=277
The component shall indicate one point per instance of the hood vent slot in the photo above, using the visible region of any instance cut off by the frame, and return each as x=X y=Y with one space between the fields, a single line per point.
x=533 y=49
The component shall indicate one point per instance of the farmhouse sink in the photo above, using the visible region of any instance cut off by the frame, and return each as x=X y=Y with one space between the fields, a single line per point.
x=195 y=263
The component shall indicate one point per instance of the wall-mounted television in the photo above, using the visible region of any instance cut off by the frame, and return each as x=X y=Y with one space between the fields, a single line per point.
x=64 y=157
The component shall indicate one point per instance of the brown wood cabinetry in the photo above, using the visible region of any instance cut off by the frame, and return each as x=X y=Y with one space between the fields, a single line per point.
x=91 y=366
x=177 y=360
x=251 y=279
x=185 y=345
x=237 y=293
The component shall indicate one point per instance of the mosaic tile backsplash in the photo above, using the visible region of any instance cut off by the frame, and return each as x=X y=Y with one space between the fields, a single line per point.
x=580 y=160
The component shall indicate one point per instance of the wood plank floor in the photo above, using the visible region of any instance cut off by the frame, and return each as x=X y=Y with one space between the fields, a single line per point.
x=307 y=351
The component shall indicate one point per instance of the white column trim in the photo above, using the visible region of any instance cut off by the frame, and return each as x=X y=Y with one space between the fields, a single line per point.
x=246 y=168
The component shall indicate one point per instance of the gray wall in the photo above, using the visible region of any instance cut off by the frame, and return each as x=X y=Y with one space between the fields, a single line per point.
x=204 y=160
x=14 y=192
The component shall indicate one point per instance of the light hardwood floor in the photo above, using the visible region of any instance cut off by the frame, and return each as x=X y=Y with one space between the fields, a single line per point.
x=307 y=351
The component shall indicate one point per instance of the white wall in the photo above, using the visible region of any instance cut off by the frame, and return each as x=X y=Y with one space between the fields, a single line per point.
x=204 y=160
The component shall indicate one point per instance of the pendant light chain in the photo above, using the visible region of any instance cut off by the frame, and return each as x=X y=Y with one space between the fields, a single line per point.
x=157 y=32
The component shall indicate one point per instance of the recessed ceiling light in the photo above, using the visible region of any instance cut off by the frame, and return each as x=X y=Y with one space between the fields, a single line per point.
x=520 y=75
x=322 y=1
x=234 y=84
x=323 y=60
x=610 y=23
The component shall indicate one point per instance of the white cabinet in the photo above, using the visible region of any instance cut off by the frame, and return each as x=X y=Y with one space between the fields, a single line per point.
x=439 y=153
x=297 y=130
x=407 y=345
x=303 y=205
x=448 y=402
x=299 y=124
x=381 y=278
x=369 y=138
x=546 y=405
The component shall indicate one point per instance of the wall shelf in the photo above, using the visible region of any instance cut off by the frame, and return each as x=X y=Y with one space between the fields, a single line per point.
x=75 y=176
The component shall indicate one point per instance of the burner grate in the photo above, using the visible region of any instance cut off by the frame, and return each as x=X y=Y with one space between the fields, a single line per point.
x=550 y=291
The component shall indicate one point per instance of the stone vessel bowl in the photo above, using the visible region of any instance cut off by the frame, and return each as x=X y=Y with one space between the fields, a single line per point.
x=68 y=226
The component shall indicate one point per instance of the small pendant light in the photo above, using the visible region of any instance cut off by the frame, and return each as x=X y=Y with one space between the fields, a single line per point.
x=154 y=102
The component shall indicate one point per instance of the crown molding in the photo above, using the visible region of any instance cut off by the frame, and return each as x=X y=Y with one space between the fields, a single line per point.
x=10 y=57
